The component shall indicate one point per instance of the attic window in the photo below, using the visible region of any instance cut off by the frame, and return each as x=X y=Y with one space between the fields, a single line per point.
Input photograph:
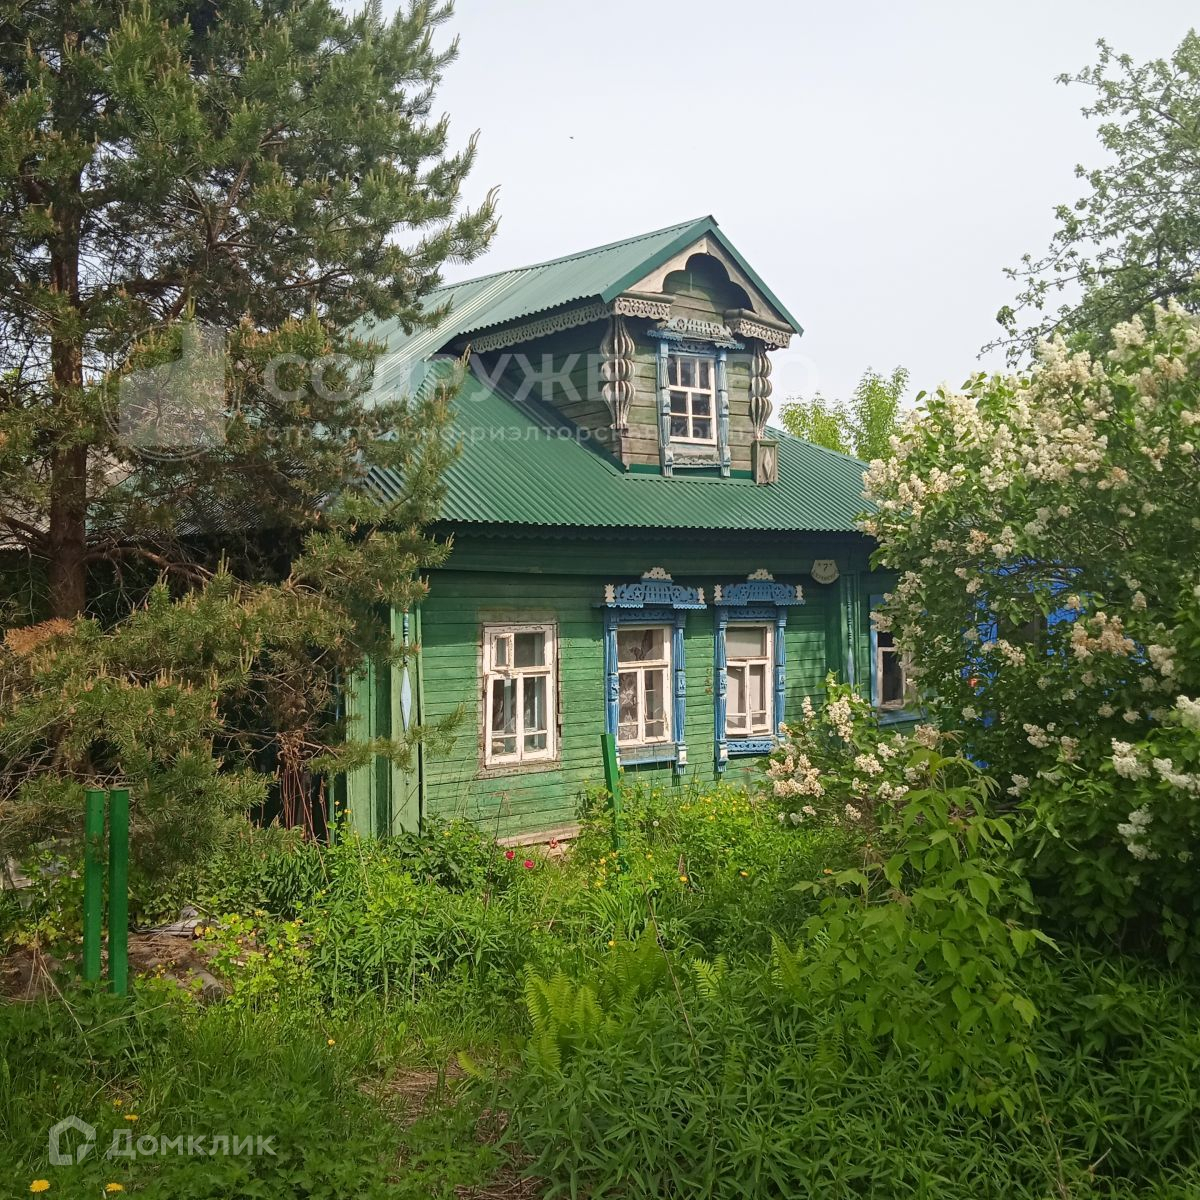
x=692 y=382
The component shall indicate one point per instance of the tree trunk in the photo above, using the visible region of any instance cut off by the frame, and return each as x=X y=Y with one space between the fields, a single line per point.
x=67 y=533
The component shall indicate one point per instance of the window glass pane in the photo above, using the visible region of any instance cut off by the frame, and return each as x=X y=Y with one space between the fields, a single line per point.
x=679 y=402
x=504 y=717
x=627 y=701
x=701 y=405
x=500 y=651
x=891 y=683
x=757 y=689
x=885 y=640
x=641 y=645
x=534 y=706
x=672 y=369
x=687 y=372
x=504 y=705
x=703 y=372
x=679 y=426
x=702 y=429
x=529 y=649
x=746 y=641
x=735 y=700
x=655 y=683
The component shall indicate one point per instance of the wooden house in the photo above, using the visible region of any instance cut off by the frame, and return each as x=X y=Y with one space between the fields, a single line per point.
x=635 y=549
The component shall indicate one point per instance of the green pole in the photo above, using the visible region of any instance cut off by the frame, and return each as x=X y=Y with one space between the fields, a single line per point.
x=118 y=891
x=612 y=781
x=93 y=882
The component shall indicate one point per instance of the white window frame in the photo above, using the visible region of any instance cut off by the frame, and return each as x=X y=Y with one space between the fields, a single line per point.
x=767 y=662
x=664 y=666
x=676 y=356
x=493 y=672
x=905 y=661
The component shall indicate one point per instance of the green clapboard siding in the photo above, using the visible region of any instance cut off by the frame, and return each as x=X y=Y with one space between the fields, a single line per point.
x=563 y=585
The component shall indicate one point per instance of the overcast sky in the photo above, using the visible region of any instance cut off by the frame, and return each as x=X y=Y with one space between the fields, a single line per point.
x=879 y=163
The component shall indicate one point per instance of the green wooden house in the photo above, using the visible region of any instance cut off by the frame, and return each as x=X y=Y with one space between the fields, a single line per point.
x=635 y=550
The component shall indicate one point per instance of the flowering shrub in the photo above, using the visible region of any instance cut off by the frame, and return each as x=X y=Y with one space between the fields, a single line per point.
x=1046 y=535
x=837 y=766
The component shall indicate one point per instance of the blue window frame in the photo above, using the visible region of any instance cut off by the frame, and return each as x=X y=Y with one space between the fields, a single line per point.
x=679 y=450
x=758 y=606
x=644 y=664
x=891 y=690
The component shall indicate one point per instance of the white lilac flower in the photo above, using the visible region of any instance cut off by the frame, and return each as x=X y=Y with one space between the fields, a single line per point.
x=1189 y=712
x=868 y=764
x=1126 y=763
x=926 y=736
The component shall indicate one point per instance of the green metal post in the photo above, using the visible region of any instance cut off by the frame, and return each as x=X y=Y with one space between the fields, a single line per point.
x=612 y=781
x=93 y=883
x=118 y=891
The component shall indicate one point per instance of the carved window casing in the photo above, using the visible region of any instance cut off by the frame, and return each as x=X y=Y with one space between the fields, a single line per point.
x=743 y=611
x=749 y=677
x=692 y=396
x=645 y=676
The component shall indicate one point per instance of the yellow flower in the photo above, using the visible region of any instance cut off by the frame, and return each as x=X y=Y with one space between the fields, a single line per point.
x=114 y=1187
x=744 y=874
x=611 y=943
x=330 y=1042
x=40 y=1185
x=131 y=1116
x=683 y=879
x=118 y=1103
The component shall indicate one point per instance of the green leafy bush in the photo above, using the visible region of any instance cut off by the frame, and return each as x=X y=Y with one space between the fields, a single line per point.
x=1045 y=534
x=722 y=1083
x=709 y=867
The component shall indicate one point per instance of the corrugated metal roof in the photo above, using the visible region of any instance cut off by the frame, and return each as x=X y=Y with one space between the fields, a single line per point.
x=522 y=465
x=600 y=273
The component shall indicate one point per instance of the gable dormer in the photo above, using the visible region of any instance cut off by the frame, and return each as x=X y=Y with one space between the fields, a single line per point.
x=655 y=350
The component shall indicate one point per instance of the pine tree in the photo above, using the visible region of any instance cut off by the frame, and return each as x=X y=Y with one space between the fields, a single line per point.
x=204 y=211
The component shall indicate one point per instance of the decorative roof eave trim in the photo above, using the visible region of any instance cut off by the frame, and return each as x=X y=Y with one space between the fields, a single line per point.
x=630 y=304
x=654 y=306
x=555 y=322
x=751 y=325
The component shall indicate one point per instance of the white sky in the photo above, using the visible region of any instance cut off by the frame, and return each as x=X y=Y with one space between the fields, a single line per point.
x=879 y=163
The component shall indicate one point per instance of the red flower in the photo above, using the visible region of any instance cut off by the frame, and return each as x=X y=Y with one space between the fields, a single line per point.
x=554 y=843
x=528 y=864
x=510 y=854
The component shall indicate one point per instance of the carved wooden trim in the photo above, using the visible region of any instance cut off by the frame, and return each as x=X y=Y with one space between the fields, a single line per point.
x=569 y=318
x=616 y=372
x=629 y=304
x=632 y=304
x=748 y=324
x=760 y=390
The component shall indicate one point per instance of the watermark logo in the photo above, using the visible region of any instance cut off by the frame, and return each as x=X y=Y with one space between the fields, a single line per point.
x=66 y=1151
x=176 y=409
x=72 y=1139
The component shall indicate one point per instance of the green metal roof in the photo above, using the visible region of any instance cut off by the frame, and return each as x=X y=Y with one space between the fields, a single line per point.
x=601 y=273
x=521 y=465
